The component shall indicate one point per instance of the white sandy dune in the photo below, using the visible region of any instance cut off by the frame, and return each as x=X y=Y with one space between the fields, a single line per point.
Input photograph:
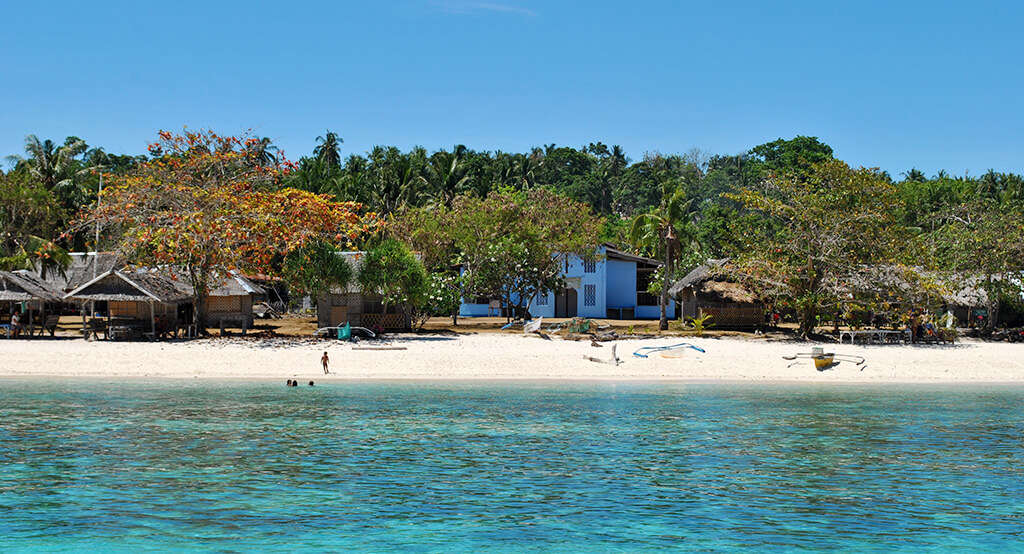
x=506 y=356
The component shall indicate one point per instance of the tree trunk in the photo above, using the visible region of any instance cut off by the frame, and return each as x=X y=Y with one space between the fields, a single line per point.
x=663 y=320
x=200 y=294
x=809 y=312
x=808 y=316
x=508 y=307
x=992 y=306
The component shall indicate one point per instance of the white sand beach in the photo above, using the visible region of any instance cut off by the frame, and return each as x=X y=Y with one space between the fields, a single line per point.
x=506 y=356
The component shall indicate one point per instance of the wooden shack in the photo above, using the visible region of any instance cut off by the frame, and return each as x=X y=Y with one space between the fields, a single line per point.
x=706 y=290
x=349 y=304
x=24 y=289
x=231 y=300
x=134 y=299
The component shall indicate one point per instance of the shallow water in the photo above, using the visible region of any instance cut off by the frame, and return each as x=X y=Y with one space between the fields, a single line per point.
x=443 y=466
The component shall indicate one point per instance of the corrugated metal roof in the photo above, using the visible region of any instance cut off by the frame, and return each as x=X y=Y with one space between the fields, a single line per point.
x=616 y=254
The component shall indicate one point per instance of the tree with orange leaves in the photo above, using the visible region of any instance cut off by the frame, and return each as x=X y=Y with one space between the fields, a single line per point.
x=208 y=203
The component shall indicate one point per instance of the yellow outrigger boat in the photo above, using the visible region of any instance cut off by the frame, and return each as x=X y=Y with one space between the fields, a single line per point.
x=825 y=360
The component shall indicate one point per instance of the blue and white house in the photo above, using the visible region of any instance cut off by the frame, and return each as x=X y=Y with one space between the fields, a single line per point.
x=614 y=286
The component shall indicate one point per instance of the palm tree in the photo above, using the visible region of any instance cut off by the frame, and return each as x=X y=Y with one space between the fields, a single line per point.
x=610 y=171
x=54 y=166
x=328 y=150
x=393 y=177
x=661 y=229
x=264 y=152
x=444 y=174
x=526 y=169
x=36 y=254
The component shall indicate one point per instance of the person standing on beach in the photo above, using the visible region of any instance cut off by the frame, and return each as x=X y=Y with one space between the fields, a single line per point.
x=15 y=324
x=325 y=360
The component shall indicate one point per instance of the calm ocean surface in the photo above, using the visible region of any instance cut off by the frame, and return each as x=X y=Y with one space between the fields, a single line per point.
x=454 y=467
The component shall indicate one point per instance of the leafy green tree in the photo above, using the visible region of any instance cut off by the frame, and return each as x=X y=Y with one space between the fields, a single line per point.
x=443 y=298
x=982 y=243
x=392 y=271
x=514 y=271
x=29 y=215
x=819 y=229
x=316 y=268
x=514 y=244
x=795 y=157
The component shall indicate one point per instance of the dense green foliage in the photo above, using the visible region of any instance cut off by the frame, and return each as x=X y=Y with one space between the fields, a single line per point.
x=316 y=269
x=716 y=205
x=391 y=270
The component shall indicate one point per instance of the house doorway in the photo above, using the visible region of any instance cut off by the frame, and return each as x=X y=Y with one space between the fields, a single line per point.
x=565 y=303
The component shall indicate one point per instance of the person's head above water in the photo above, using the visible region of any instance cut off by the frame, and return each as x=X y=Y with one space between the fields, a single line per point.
x=311 y=383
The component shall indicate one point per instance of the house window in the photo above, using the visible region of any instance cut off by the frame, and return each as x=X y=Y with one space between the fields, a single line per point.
x=589 y=295
x=589 y=266
x=542 y=299
x=643 y=280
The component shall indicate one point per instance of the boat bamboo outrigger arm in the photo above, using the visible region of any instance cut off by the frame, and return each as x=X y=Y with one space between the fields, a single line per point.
x=645 y=351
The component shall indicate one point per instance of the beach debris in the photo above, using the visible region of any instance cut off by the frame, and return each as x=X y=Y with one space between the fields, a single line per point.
x=613 y=361
x=533 y=325
x=577 y=326
x=646 y=351
x=825 y=360
x=339 y=331
x=264 y=310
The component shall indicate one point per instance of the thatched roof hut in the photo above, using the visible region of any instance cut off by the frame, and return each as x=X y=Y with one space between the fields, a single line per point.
x=706 y=290
x=229 y=300
x=698 y=275
x=85 y=266
x=350 y=304
x=25 y=286
x=118 y=286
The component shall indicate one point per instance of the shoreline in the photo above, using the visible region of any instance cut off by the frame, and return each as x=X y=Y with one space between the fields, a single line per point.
x=507 y=357
x=528 y=381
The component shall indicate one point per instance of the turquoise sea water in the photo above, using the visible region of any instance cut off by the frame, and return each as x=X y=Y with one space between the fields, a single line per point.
x=459 y=467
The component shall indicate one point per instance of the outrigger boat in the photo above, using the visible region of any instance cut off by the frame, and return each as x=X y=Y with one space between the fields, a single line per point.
x=646 y=351
x=824 y=360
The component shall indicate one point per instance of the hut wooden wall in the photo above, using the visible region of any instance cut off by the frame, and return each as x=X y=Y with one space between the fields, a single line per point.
x=139 y=310
x=358 y=310
x=231 y=309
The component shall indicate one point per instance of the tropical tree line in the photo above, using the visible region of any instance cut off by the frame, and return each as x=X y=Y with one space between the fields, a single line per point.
x=802 y=228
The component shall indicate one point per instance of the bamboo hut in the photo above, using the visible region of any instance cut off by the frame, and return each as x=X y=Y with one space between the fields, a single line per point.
x=136 y=301
x=706 y=291
x=85 y=266
x=23 y=289
x=231 y=299
x=351 y=305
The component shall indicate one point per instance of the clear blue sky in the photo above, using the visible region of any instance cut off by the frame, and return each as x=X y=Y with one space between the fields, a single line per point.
x=931 y=84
